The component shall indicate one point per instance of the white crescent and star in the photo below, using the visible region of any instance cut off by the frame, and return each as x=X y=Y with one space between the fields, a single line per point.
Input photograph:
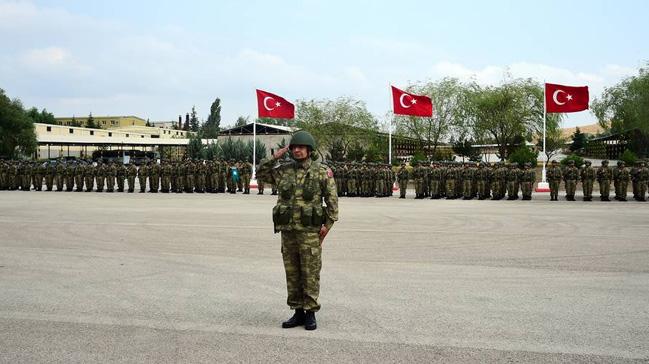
x=265 y=102
x=555 y=97
x=403 y=105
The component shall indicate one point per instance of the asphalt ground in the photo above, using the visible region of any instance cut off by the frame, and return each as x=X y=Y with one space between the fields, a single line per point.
x=176 y=278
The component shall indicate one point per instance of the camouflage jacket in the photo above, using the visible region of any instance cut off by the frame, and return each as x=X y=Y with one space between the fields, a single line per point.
x=303 y=188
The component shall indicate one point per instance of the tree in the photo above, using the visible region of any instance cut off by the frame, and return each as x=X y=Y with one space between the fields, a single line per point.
x=242 y=121
x=554 y=142
x=464 y=148
x=195 y=147
x=194 y=124
x=17 y=135
x=344 y=120
x=43 y=117
x=505 y=113
x=90 y=123
x=212 y=126
x=522 y=155
x=212 y=151
x=75 y=122
x=579 y=141
x=448 y=97
x=625 y=107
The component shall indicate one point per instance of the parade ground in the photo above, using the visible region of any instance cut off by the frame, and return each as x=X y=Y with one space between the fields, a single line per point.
x=190 y=278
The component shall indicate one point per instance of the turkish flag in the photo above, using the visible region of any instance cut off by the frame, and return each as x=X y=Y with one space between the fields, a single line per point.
x=273 y=106
x=559 y=98
x=405 y=103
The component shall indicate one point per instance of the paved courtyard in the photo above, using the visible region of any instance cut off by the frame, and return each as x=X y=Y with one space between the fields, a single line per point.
x=98 y=277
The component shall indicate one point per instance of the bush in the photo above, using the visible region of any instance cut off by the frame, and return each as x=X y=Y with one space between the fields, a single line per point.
x=523 y=155
x=418 y=157
x=579 y=161
x=628 y=157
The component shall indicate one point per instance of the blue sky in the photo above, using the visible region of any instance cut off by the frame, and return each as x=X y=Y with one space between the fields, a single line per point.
x=156 y=59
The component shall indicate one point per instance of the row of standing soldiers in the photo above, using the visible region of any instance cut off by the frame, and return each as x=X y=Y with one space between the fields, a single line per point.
x=364 y=179
x=453 y=180
x=638 y=175
x=200 y=176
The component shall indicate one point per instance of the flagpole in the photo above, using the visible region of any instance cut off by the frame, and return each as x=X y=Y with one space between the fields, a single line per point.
x=254 y=150
x=544 y=186
x=390 y=130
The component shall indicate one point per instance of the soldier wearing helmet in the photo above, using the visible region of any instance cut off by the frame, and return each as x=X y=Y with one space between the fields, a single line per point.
x=306 y=209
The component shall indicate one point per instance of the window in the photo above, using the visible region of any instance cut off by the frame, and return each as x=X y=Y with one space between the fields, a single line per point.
x=127 y=135
x=49 y=128
x=110 y=134
x=71 y=131
x=142 y=136
x=92 y=132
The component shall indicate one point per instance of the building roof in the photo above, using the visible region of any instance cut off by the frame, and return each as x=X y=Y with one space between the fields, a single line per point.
x=262 y=128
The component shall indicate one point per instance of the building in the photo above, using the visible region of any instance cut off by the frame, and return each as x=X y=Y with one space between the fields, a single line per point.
x=68 y=141
x=104 y=122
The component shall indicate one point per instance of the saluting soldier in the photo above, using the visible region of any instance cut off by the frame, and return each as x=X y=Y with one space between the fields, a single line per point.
x=131 y=173
x=570 y=177
x=100 y=175
x=306 y=210
x=120 y=173
x=89 y=176
x=621 y=181
x=604 y=176
x=142 y=174
x=528 y=176
x=554 y=176
x=111 y=174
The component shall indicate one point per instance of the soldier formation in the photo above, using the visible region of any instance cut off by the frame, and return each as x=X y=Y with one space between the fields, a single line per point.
x=436 y=180
x=189 y=176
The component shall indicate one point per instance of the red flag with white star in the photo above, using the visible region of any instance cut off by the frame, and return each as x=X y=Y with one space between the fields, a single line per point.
x=273 y=106
x=559 y=98
x=405 y=103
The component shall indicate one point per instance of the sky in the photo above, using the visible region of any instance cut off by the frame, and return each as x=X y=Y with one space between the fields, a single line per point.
x=157 y=59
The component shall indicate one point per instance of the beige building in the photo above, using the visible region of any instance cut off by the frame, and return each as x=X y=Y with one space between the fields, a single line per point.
x=104 y=122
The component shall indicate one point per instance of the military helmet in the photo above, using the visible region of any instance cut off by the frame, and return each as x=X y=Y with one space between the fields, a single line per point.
x=571 y=162
x=302 y=138
x=554 y=161
x=605 y=162
x=588 y=163
x=620 y=163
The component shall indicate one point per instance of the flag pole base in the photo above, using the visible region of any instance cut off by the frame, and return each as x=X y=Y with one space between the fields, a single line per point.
x=395 y=187
x=543 y=187
x=253 y=183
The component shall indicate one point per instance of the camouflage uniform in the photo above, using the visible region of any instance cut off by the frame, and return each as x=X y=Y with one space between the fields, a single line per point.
x=111 y=174
x=554 y=176
x=120 y=173
x=142 y=174
x=587 y=179
x=89 y=176
x=402 y=176
x=131 y=173
x=643 y=179
x=299 y=215
x=79 y=173
x=100 y=176
x=570 y=176
x=527 y=179
x=621 y=178
x=604 y=175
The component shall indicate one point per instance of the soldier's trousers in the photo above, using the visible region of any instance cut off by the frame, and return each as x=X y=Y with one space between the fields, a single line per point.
x=260 y=186
x=403 y=185
x=526 y=188
x=89 y=183
x=587 y=188
x=434 y=188
x=466 y=189
x=120 y=184
x=100 y=184
x=110 y=184
x=38 y=182
x=554 y=190
x=59 y=183
x=166 y=183
x=200 y=182
x=69 y=183
x=142 y=181
x=351 y=187
x=79 y=182
x=634 y=188
x=302 y=255
x=450 y=188
x=571 y=186
x=621 y=189
x=26 y=183
x=49 y=182
x=131 y=183
x=511 y=192
x=214 y=182
x=246 y=182
x=642 y=190
x=154 y=183
x=604 y=187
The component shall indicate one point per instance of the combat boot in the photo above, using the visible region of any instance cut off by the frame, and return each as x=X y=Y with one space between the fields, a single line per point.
x=309 y=321
x=297 y=319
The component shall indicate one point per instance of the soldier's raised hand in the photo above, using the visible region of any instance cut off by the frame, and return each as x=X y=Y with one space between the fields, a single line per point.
x=280 y=152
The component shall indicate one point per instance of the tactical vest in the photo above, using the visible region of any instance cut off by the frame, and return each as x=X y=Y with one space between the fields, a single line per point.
x=299 y=205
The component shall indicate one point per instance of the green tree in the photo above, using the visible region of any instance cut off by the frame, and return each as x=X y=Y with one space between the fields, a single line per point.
x=195 y=146
x=212 y=126
x=464 y=148
x=579 y=141
x=345 y=120
x=522 y=155
x=554 y=142
x=194 y=124
x=75 y=122
x=625 y=107
x=17 y=135
x=628 y=157
x=579 y=161
x=43 y=117
x=449 y=99
x=212 y=151
x=242 y=121
x=504 y=113
x=90 y=123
